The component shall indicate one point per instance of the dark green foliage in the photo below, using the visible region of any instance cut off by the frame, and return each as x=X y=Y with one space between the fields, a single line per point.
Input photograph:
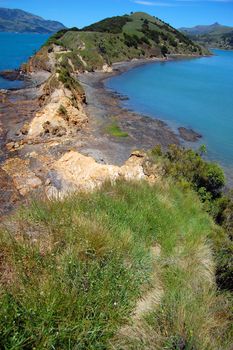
x=112 y=25
x=55 y=39
x=68 y=81
x=224 y=271
x=164 y=50
x=62 y=110
x=132 y=40
x=189 y=165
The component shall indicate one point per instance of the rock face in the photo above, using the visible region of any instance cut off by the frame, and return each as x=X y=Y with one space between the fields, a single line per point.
x=76 y=172
x=72 y=172
x=23 y=178
x=58 y=117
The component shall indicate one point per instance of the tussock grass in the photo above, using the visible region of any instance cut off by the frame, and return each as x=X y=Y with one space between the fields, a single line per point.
x=73 y=273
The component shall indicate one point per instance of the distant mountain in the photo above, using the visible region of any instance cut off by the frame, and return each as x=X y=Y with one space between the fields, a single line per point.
x=214 y=28
x=215 y=35
x=21 y=21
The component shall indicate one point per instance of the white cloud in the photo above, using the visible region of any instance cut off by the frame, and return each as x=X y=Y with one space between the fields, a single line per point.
x=150 y=3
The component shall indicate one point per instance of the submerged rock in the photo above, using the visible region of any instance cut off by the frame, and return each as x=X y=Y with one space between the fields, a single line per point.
x=189 y=135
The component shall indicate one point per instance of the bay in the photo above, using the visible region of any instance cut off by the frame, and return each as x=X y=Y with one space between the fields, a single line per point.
x=194 y=93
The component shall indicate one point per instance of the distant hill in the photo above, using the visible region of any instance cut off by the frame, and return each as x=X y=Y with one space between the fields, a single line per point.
x=21 y=21
x=214 y=28
x=215 y=35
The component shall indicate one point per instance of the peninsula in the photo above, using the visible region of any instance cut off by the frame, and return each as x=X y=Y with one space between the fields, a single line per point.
x=122 y=241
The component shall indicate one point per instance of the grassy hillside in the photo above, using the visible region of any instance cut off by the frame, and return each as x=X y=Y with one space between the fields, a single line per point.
x=213 y=36
x=74 y=271
x=130 y=266
x=118 y=39
x=13 y=20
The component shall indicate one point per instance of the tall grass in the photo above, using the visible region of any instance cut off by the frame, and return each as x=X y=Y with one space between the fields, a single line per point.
x=73 y=273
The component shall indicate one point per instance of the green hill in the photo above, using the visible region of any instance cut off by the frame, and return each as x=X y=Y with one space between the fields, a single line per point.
x=115 y=39
x=13 y=20
x=212 y=36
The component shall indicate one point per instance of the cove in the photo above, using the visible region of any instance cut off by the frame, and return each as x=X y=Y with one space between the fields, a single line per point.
x=194 y=93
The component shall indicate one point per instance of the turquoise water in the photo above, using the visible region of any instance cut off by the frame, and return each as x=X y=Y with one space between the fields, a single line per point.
x=15 y=50
x=195 y=93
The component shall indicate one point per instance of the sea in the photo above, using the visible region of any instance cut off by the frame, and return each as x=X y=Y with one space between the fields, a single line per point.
x=194 y=93
x=16 y=48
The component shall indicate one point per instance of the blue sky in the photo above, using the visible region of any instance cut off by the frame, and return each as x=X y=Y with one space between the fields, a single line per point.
x=82 y=12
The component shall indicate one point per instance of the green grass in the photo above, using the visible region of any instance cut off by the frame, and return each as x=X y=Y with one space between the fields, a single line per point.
x=114 y=130
x=73 y=271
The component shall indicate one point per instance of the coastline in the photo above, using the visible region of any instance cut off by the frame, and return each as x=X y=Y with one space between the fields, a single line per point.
x=104 y=107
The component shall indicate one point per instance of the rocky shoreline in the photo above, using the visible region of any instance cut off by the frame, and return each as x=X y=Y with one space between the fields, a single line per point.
x=28 y=163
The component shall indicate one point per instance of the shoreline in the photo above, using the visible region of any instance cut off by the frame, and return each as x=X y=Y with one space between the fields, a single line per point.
x=104 y=106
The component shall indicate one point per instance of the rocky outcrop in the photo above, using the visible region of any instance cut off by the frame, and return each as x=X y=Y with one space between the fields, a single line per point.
x=23 y=178
x=58 y=117
x=76 y=172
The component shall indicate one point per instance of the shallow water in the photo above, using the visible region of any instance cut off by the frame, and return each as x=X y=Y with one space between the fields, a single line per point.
x=15 y=50
x=195 y=93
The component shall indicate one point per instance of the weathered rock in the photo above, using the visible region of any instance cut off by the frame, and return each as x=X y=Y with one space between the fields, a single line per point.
x=11 y=75
x=23 y=178
x=10 y=146
x=49 y=120
x=24 y=130
x=54 y=130
x=107 y=69
x=76 y=172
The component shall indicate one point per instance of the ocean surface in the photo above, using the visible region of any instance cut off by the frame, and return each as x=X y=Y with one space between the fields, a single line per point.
x=15 y=50
x=194 y=93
